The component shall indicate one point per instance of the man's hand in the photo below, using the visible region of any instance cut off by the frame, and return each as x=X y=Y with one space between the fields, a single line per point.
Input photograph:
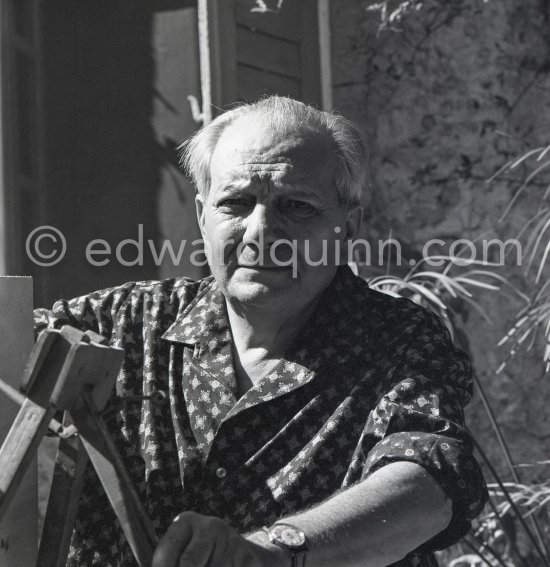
x=194 y=540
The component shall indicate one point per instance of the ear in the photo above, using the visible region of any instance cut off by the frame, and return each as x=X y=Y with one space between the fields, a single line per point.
x=353 y=223
x=353 y=226
x=199 y=204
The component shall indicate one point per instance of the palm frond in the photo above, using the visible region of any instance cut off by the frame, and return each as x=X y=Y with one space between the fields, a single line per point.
x=512 y=164
x=437 y=290
x=535 y=317
x=530 y=321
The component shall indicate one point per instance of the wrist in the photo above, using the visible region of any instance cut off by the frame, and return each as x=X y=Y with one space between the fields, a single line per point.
x=269 y=554
x=291 y=539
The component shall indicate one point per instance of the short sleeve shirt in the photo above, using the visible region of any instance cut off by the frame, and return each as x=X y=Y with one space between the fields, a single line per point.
x=370 y=380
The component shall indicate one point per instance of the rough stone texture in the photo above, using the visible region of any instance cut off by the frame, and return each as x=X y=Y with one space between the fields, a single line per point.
x=445 y=102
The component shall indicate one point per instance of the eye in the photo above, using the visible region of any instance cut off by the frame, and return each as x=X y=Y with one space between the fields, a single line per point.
x=297 y=206
x=235 y=203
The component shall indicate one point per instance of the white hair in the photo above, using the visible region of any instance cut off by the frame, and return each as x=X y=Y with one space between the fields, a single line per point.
x=283 y=114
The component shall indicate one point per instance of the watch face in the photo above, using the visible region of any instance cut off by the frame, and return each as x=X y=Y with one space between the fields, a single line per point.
x=288 y=536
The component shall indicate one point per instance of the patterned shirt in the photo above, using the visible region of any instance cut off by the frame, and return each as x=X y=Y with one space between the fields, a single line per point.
x=370 y=380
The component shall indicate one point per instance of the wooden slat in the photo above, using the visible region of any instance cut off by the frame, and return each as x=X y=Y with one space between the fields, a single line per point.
x=267 y=52
x=45 y=366
x=252 y=83
x=63 y=502
x=18 y=530
x=116 y=481
x=216 y=21
x=18 y=451
x=285 y=23
x=5 y=160
x=93 y=366
x=325 y=54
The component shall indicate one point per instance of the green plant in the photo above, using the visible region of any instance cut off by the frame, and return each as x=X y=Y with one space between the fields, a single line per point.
x=534 y=318
x=441 y=291
x=392 y=13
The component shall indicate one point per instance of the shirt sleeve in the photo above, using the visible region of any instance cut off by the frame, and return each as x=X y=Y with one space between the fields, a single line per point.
x=420 y=418
x=92 y=312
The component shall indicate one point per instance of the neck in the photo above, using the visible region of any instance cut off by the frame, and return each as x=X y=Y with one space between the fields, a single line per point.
x=272 y=332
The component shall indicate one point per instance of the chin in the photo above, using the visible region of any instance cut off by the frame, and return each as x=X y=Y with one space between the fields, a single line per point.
x=253 y=293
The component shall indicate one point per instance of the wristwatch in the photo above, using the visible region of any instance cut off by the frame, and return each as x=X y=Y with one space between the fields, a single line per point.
x=290 y=538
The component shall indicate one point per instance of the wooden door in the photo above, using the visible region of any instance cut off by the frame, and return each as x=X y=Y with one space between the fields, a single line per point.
x=277 y=52
x=247 y=53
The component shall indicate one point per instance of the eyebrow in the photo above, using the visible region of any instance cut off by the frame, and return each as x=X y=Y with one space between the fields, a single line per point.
x=291 y=191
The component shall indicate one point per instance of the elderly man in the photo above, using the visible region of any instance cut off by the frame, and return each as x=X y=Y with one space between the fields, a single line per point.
x=311 y=421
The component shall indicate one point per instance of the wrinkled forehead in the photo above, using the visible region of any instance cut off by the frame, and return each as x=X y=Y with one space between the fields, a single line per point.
x=251 y=143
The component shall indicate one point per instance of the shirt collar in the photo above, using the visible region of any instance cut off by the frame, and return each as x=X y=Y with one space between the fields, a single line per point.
x=204 y=321
x=331 y=344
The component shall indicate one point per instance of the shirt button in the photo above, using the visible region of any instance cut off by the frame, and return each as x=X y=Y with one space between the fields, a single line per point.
x=221 y=472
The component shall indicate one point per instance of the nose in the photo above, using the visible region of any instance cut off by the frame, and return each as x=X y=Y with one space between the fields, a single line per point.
x=262 y=226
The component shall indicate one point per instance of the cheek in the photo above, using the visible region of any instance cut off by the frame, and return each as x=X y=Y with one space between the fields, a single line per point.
x=320 y=236
x=219 y=228
x=221 y=237
x=322 y=249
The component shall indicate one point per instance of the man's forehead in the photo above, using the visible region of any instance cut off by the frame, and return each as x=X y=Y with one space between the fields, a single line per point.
x=254 y=143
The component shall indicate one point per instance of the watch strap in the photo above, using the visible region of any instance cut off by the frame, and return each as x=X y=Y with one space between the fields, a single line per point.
x=299 y=558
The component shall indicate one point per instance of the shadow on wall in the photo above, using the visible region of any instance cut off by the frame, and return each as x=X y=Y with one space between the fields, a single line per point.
x=102 y=170
x=108 y=154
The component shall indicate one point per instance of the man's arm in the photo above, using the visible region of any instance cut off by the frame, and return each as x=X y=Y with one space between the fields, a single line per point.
x=378 y=521
x=372 y=524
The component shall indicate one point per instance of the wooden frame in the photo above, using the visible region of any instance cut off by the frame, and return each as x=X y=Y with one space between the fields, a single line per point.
x=17 y=189
x=217 y=56
x=5 y=224
x=311 y=76
x=325 y=54
x=18 y=530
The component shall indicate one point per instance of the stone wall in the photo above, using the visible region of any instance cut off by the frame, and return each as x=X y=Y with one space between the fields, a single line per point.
x=461 y=88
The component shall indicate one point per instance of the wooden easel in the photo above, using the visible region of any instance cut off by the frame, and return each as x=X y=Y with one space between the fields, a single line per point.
x=19 y=526
x=74 y=372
